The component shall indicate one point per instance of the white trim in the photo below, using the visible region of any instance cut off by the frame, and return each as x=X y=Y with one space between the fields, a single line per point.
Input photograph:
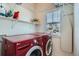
x=50 y=50
x=33 y=48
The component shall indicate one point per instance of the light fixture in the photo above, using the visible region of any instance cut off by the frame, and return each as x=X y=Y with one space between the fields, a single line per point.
x=58 y=4
x=18 y=3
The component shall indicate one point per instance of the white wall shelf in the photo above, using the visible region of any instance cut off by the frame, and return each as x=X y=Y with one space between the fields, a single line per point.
x=11 y=19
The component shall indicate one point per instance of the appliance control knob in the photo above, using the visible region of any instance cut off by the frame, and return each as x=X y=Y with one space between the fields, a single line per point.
x=18 y=43
x=8 y=46
x=31 y=44
x=42 y=43
x=35 y=41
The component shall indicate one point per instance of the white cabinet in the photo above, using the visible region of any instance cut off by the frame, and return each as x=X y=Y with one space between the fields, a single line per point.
x=67 y=9
x=49 y=17
x=53 y=21
x=57 y=15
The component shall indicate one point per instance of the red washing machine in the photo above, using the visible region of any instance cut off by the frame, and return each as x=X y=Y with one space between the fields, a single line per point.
x=22 y=45
x=47 y=43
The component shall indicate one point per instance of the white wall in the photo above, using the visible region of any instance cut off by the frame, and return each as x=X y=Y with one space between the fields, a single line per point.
x=76 y=29
x=13 y=28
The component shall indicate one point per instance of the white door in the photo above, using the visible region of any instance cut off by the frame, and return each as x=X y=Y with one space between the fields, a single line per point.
x=67 y=28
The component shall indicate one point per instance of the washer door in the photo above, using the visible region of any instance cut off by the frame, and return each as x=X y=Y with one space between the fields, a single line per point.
x=35 y=51
x=49 y=47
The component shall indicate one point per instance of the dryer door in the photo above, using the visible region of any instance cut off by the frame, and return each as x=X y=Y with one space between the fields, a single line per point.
x=49 y=47
x=35 y=51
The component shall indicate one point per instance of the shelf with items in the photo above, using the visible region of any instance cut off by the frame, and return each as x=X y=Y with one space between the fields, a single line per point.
x=15 y=13
x=54 y=16
x=54 y=21
x=11 y=19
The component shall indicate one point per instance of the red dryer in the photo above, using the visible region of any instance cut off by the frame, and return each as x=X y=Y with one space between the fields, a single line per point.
x=22 y=45
x=47 y=43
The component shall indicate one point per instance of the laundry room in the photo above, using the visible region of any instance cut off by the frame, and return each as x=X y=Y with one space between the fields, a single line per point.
x=38 y=29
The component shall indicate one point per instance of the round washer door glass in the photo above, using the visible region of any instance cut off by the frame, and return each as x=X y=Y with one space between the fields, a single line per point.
x=35 y=51
x=49 y=47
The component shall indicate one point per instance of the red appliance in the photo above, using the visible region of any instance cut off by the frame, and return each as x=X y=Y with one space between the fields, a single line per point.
x=47 y=43
x=22 y=45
